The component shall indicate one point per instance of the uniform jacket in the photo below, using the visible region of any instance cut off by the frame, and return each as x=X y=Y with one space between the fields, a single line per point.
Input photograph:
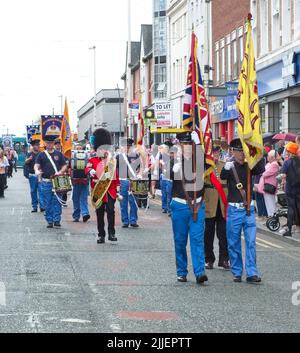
x=211 y=195
x=112 y=191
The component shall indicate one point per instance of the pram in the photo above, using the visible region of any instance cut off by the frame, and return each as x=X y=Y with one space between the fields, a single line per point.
x=273 y=223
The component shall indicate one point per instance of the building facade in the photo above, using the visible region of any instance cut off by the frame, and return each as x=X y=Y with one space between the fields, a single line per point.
x=109 y=113
x=276 y=29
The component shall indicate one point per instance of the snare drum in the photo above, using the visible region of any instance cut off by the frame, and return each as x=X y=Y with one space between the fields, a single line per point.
x=62 y=184
x=140 y=187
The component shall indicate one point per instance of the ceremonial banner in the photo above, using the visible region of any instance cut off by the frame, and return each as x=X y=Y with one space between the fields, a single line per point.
x=7 y=141
x=249 y=121
x=195 y=109
x=51 y=125
x=32 y=130
x=66 y=135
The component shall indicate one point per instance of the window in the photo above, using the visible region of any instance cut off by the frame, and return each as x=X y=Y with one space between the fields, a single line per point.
x=241 y=48
x=275 y=24
x=264 y=27
x=217 y=65
x=234 y=59
x=222 y=60
x=254 y=25
x=297 y=19
x=286 y=22
x=228 y=60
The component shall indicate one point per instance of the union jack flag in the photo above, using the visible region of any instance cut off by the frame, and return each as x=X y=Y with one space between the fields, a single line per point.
x=195 y=108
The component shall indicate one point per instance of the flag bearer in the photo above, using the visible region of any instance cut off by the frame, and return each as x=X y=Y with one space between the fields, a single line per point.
x=236 y=175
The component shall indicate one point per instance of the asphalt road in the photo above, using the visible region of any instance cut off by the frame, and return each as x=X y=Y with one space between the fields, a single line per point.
x=62 y=281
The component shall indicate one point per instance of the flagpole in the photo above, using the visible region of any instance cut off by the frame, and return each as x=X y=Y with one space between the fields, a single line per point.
x=249 y=19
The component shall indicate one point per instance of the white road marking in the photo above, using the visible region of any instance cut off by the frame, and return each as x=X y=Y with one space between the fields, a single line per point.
x=268 y=243
x=55 y=285
x=76 y=321
x=263 y=245
x=115 y=328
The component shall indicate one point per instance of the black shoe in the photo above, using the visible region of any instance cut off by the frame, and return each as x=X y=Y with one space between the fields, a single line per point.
x=209 y=265
x=57 y=224
x=86 y=218
x=181 y=279
x=201 y=279
x=225 y=265
x=101 y=240
x=50 y=226
x=237 y=279
x=134 y=225
x=287 y=234
x=254 y=279
x=112 y=237
x=164 y=211
x=76 y=220
x=125 y=225
x=34 y=211
x=42 y=210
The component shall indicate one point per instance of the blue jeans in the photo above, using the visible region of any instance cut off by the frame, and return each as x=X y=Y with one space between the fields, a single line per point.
x=52 y=206
x=237 y=220
x=166 y=194
x=124 y=191
x=35 y=191
x=184 y=225
x=80 y=200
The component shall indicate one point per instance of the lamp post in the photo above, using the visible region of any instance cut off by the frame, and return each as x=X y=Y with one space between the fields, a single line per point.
x=95 y=89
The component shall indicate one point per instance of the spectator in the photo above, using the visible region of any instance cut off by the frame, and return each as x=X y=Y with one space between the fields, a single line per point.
x=291 y=173
x=270 y=183
x=3 y=165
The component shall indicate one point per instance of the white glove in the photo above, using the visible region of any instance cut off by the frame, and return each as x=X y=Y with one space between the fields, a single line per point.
x=195 y=138
x=92 y=173
x=229 y=165
x=38 y=172
x=176 y=168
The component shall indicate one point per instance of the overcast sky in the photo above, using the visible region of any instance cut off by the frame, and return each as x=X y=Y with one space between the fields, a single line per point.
x=44 y=54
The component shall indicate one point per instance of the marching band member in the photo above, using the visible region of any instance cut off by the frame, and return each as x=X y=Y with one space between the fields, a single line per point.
x=215 y=221
x=128 y=164
x=35 y=186
x=182 y=213
x=236 y=175
x=80 y=185
x=102 y=142
x=47 y=165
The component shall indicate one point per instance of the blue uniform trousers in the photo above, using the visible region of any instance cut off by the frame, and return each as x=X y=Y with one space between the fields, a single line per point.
x=52 y=206
x=36 y=193
x=184 y=225
x=166 y=192
x=80 y=200
x=237 y=220
x=132 y=217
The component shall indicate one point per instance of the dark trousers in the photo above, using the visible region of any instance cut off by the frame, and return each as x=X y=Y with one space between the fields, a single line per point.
x=261 y=205
x=211 y=226
x=109 y=208
x=2 y=184
x=293 y=201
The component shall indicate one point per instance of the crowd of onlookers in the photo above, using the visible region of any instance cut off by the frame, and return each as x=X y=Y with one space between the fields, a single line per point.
x=8 y=164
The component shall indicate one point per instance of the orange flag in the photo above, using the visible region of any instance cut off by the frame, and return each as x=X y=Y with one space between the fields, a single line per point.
x=66 y=135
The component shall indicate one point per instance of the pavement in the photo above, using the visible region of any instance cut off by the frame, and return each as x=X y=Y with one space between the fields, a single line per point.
x=62 y=281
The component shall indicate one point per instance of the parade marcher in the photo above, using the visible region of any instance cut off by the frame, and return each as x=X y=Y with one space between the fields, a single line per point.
x=80 y=184
x=129 y=167
x=182 y=215
x=238 y=219
x=49 y=164
x=3 y=165
x=215 y=221
x=10 y=158
x=291 y=173
x=35 y=186
x=101 y=142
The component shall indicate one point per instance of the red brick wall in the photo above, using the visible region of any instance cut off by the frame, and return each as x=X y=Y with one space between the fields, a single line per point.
x=227 y=16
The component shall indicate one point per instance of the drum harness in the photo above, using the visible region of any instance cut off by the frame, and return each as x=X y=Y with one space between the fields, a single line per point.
x=134 y=175
x=62 y=202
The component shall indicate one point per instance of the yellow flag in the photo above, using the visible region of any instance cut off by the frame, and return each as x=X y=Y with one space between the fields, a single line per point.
x=66 y=135
x=249 y=121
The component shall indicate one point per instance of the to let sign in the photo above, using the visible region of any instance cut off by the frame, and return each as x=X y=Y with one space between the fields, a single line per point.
x=163 y=114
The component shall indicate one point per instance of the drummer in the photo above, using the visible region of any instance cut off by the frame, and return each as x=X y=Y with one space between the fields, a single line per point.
x=49 y=164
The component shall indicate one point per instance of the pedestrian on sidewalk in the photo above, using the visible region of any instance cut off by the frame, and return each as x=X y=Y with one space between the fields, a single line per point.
x=3 y=165
x=215 y=221
x=80 y=184
x=101 y=142
x=35 y=185
x=182 y=212
x=49 y=164
x=291 y=174
x=238 y=219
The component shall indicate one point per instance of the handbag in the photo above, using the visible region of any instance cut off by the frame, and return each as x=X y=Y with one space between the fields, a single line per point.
x=270 y=189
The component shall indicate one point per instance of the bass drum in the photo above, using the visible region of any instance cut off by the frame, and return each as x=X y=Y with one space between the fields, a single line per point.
x=62 y=184
x=140 y=187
